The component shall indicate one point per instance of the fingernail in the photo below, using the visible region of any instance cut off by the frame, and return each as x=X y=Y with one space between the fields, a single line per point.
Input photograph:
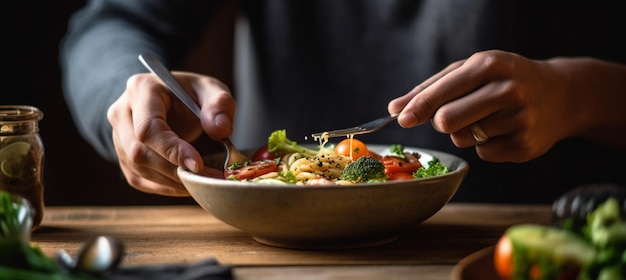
x=407 y=120
x=222 y=120
x=191 y=165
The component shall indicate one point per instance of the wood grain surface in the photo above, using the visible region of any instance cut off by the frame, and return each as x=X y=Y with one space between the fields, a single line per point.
x=187 y=234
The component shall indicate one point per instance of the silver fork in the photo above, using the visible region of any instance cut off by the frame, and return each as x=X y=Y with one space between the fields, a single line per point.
x=367 y=127
x=155 y=66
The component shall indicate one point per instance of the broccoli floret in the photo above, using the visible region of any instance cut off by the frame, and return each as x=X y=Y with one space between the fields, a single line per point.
x=279 y=144
x=397 y=150
x=364 y=169
x=435 y=168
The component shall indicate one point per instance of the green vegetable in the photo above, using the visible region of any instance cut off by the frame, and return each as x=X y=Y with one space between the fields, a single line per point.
x=599 y=253
x=605 y=227
x=571 y=210
x=237 y=165
x=364 y=169
x=397 y=150
x=606 y=231
x=15 y=249
x=435 y=168
x=278 y=143
x=19 y=260
x=22 y=256
x=15 y=218
x=288 y=175
x=552 y=248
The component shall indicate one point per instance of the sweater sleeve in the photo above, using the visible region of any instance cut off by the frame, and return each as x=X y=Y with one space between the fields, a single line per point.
x=100 y=50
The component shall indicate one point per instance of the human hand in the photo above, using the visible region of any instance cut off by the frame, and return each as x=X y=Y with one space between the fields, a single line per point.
x=153 y=131
x=522 y=105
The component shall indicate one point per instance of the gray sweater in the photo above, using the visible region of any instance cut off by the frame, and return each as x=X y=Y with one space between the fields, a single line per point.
x=308 y=66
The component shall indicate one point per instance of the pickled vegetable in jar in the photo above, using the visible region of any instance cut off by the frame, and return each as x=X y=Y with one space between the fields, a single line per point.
x=22 y=156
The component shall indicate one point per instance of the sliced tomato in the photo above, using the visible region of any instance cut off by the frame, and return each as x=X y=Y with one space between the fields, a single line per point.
x=262 y=154
x=394 y=164
x=251 y=170
x=352 y=148
x=400 y=176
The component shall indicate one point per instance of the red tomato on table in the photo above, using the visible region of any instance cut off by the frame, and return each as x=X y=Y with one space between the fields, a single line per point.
x=537 y=252
x=503 y=258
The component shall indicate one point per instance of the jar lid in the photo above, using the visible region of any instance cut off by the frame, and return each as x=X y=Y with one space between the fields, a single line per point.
x=19 y=113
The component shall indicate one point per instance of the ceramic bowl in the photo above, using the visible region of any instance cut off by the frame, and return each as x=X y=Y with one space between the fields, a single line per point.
x=327 y=217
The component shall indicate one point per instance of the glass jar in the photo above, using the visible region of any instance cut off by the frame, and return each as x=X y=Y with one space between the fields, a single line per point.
x=22 y=156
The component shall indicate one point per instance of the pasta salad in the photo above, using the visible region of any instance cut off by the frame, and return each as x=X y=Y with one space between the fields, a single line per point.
x=283 y=161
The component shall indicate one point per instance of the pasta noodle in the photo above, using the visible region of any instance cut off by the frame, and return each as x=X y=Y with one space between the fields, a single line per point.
x=323 y=139
x=326 y=166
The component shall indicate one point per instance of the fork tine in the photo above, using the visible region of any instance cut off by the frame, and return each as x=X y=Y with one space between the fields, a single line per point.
x=345 y=131
x=337 y=133
x=359 y=129
x=341 y=132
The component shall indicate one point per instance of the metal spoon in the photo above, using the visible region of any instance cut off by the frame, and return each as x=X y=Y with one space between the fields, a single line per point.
x=99 y=255
x=155 y=66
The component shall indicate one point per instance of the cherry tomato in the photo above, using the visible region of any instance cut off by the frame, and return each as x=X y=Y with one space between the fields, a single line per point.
x=400 y=176
x=505 y=265
x=262 y=153
x=251 y=170
x=394 y=164
x=355 y=150
x=503 y=258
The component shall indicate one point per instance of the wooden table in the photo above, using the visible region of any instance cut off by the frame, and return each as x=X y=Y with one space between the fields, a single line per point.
x=188 y=234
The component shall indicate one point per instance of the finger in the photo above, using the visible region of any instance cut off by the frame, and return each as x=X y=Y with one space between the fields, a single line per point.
x=151 y=127
x=151 y=165
x=453 y=85
x=148 y=186
x=473 y=107
x=217 y=106
x=473 y=73
x=134 y=171
x=510 y=139
x=160 y=187
x=397 y=105
x=120 y=117
x=211 y=172
x=494 y=126
x=164 y=185
x=499 y=150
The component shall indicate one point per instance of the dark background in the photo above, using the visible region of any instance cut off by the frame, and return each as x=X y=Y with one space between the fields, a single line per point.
x=74 y=174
